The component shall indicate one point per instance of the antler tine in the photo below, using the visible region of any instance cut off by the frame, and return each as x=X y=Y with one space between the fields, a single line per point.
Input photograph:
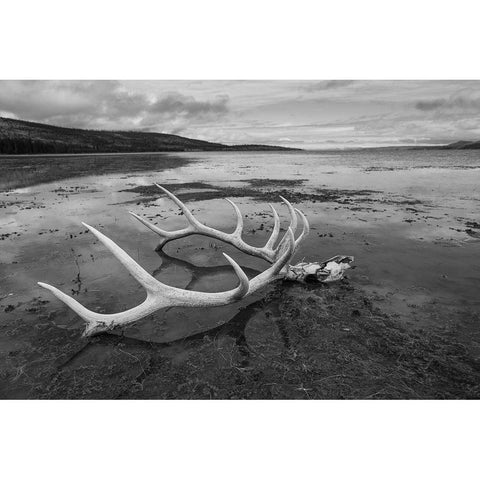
x=194 y=224
x=293 y=216
x=293 y=225
x=305 y=230
x=188 y=214
x=276 y=229
x=244 y=285
x=141 y=275
x=273 y=273
x=167 y=236
x=282 y=245
x=287 y=255
x=98 y=322
x=239 y=228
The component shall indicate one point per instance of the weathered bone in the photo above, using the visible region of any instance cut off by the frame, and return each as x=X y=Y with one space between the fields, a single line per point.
x=161 y=296
x=328 y=271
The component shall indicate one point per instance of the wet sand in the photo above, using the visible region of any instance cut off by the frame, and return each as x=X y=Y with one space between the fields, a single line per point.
x=405 y=324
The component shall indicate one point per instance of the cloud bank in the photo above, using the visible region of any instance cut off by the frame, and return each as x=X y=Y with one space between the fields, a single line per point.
x=104 y=105
x=307 y=114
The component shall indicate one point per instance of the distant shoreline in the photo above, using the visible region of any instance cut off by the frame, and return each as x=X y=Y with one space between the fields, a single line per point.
x=20 y=138
x=116 y=154
x=467 y=146
x=260 y=150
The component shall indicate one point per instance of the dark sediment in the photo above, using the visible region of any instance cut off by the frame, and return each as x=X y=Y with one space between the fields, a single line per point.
x=298 y=342
x=262 y=190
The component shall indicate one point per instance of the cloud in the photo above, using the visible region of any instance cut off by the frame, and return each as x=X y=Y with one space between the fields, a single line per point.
x=428 y=105
x=462 y=103
x=327 y=85
x=104 y=104
x=303 y=113
x=186 y=105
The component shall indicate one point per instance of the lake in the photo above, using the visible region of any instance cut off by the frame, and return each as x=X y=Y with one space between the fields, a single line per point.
x=410 y=218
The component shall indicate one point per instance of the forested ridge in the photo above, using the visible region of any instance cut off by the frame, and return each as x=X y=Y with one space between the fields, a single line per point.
x=20 y=137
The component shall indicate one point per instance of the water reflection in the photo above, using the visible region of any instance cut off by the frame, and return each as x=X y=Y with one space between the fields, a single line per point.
x=415 y=259
x=407 y=238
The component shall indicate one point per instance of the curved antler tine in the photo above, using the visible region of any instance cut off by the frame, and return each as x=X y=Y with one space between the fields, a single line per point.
x=141 y=275
x=239 y=228
x=287 y=254
x=101 y=322
x=159 y=231
x=78 y=308
x=273 y=272
x=276 y=229
x=293 y=215
x=283 y=243
x=306 y=227
x=242 y=289
x=188 y=214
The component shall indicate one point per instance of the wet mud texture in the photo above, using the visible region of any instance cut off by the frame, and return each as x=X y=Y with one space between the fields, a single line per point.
x=291 y=341
x=298 y=342
x=263 y=190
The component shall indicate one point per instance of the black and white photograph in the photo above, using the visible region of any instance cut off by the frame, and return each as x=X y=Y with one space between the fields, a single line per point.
x=239 y=240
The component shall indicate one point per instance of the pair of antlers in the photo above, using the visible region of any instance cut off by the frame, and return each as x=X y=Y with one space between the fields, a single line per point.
x=161 y=296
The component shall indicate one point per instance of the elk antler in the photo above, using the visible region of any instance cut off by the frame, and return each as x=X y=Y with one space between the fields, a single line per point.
x=161 y=296
x=324 y=272
x=268 y=252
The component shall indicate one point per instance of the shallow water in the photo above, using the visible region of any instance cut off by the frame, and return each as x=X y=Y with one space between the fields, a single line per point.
x=415 y=254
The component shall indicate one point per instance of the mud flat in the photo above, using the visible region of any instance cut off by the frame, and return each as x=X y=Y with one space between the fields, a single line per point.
x=24 y=171
x=404 y=324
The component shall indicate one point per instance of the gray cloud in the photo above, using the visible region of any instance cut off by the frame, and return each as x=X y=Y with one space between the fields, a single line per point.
x=428 y=105
x=104 y=104
x=457 y=102
x=328 y=85
x=187 y=105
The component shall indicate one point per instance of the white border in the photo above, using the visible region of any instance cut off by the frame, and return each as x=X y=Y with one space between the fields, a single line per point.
x=239 y=440
x=248 y=39
x=252 y=39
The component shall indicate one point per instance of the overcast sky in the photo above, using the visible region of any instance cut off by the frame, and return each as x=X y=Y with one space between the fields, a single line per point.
x=306 y=114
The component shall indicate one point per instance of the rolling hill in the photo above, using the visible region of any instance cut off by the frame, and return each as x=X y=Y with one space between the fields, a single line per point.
x=463 y=145
x=19 y=137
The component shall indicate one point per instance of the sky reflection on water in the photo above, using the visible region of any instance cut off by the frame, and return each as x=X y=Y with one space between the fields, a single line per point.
x=408 y=238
